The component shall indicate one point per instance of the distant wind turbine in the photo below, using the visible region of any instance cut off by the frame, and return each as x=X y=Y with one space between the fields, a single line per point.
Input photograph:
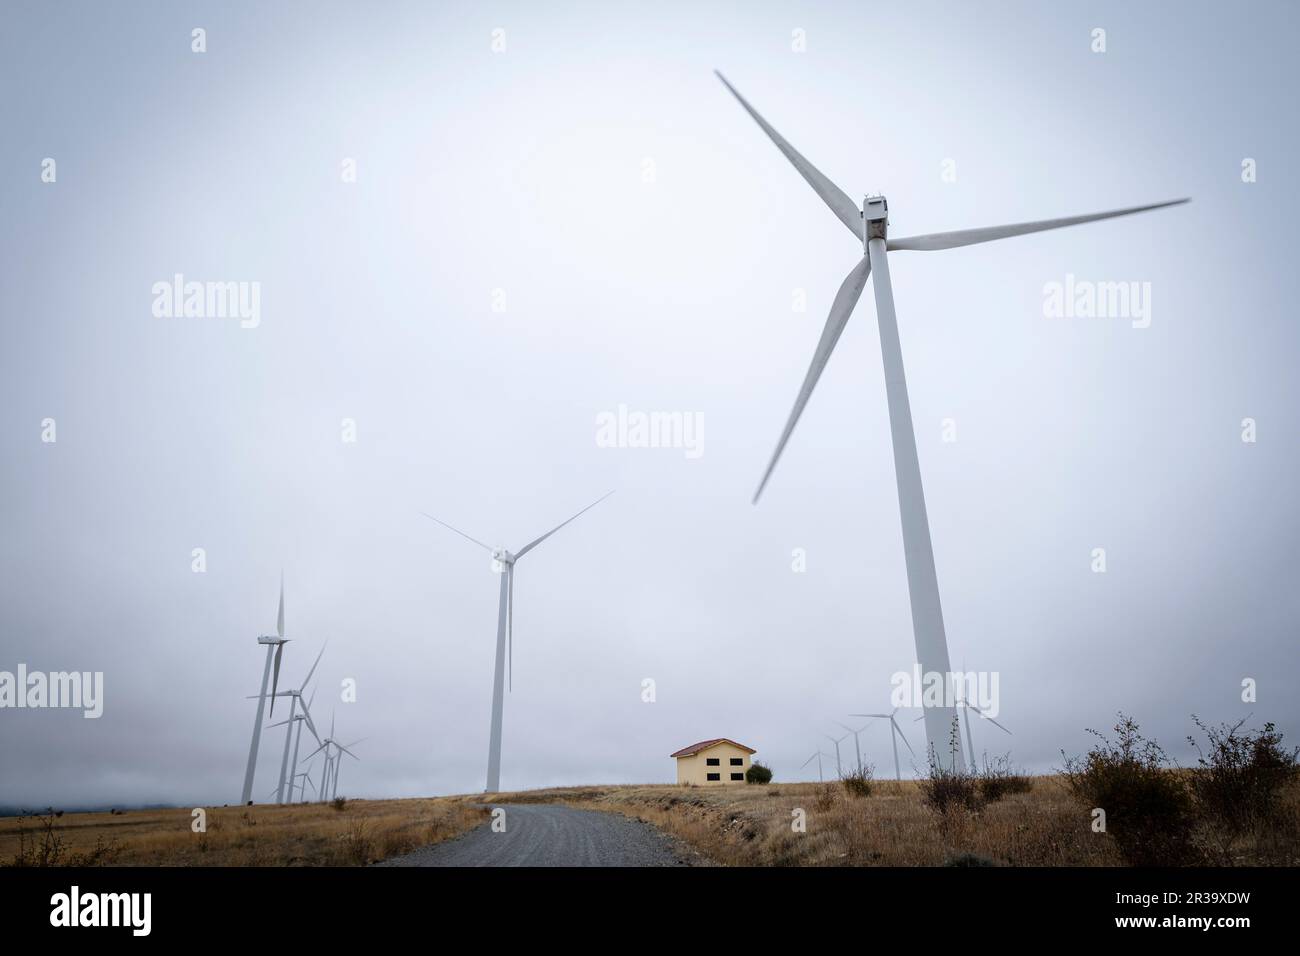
x=869 y=226
x=274 y=649
x=895 y=733
x=839 y=769
x=504 y=561
x=818 y=757
x=857 y=744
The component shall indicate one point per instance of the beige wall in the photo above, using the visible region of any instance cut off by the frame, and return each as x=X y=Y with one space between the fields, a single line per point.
x=695 y=768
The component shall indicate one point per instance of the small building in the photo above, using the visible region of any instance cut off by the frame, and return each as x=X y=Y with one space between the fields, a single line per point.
x=712 y=763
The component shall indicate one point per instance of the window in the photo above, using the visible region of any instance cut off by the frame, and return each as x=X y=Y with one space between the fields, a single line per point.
x=713 y=776
x=711 y=761
x=737 y=776
x=738 y=761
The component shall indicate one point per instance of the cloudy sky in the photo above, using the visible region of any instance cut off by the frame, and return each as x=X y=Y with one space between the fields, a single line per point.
x=557 y=211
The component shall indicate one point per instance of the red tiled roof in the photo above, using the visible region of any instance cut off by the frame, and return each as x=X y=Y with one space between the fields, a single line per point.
x=706 y=744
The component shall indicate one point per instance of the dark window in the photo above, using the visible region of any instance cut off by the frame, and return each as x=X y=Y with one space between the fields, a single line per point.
x=737 y=776
x=713 y=776
x=711 y=761
x=738 y=761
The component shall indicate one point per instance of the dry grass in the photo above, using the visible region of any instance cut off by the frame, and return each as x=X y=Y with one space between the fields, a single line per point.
x=751 y=825
x=309 y=834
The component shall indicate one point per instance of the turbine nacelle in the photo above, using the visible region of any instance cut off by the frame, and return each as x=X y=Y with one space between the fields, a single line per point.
x=875 y=218
x=501 y=560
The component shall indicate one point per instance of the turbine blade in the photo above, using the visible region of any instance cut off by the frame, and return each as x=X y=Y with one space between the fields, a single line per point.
x=307 y=679
x=275 y=681
x=869 y=715
x=847 y=297
x=315 y=752
x=532 y=544
x=844 y=208
x=965 y=237
x=900 y=733
x=348 y=752
x=997 y=725
x=458 y=531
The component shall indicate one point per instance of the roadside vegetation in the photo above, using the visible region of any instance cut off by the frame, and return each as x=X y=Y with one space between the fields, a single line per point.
x=342 y=833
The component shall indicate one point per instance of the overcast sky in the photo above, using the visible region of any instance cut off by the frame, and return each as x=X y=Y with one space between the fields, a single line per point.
x=586 y=219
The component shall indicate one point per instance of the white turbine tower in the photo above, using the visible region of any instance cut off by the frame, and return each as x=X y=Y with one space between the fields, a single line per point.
x=869 y=226
x=818 y=757
x=895 y=732
x=857 y=744
x=294 y=696
x=504 y=562
x=839 y=769
x=274 y=650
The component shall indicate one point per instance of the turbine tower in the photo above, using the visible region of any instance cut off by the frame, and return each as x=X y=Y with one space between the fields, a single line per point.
x=869 y=226
x=274 y=649
x=504 y=562
x=857 y=744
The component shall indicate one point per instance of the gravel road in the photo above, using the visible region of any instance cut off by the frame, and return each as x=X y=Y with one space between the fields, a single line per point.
x=551 y=835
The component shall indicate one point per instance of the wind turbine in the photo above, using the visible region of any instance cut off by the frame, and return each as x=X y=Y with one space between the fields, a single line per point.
x=894 y=733
x=818 y=757
x=857 y=744
x=300 y=719
x=330 y=772
x=274 y=649
x=294 y=696
x=869 y=225
x=839 y=770
x=503 y=561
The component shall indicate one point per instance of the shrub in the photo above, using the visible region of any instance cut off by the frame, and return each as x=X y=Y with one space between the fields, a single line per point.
x=999 y=777
x=1148 y=807
x=824 y=798
x=339 y=803
x=858 y=783
x=946 y=789
x=1239 y=785
x=758 y=773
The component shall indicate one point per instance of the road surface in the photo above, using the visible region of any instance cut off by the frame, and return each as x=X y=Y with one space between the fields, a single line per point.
x=542 y=834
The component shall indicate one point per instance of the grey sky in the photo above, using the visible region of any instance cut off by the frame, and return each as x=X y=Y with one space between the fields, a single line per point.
x=525 y=171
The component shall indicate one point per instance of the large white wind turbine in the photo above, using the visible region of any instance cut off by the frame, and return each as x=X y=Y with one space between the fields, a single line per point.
x=274 y=649
x=294 y=695
x=895 y=732
x=869 y=225
x=504 y=562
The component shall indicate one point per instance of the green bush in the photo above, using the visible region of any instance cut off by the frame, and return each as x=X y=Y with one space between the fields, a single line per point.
x=758 y=773
x=946 y=789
